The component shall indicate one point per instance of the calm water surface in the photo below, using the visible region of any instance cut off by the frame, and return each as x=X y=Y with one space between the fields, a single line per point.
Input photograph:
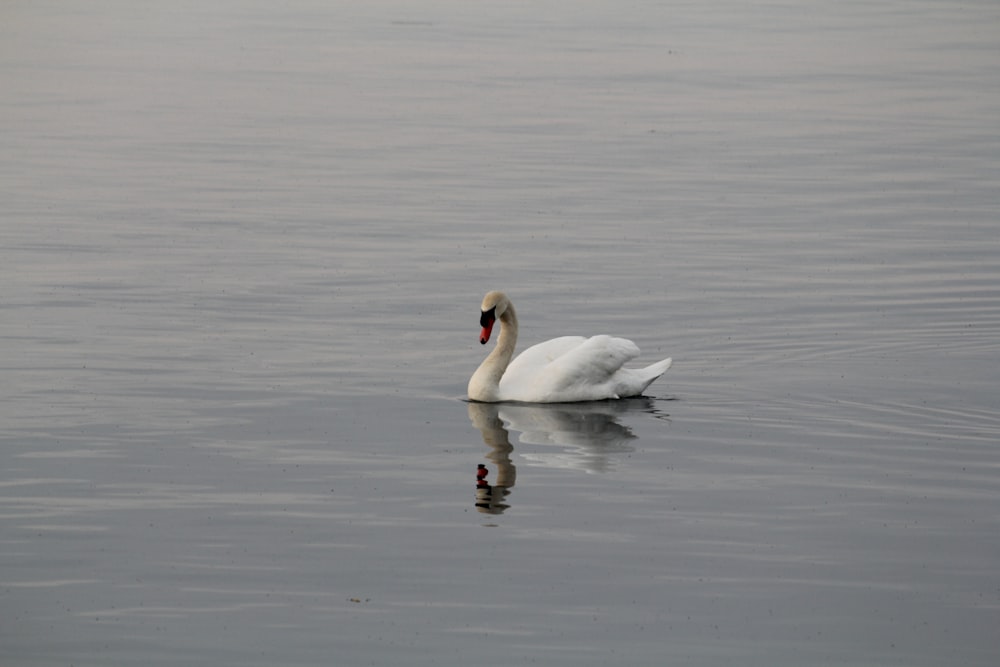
x=242 y=250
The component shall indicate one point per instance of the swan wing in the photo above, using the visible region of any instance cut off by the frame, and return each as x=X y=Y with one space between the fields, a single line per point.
x=537 y=357
x=570 y=368
x=593 y=362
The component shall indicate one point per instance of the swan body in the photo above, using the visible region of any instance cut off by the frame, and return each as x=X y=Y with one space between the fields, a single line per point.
x=561 y=370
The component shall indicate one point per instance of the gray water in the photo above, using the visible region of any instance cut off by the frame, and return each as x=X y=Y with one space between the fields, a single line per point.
x=242 y=250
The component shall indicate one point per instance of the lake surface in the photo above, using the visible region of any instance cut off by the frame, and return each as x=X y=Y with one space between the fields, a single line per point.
x=242 y=251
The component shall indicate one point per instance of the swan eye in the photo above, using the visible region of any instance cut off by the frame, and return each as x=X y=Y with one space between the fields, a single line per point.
x=488 y=317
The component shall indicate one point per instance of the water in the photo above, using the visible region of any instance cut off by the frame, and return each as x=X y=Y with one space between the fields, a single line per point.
x=243 y=248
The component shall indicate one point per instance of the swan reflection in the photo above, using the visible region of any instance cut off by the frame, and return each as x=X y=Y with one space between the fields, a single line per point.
x=577 y=436
x=490 y=497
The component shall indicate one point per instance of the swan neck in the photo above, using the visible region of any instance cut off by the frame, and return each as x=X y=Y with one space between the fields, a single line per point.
x=500 y=357
x=508 y=335
x=485 y=382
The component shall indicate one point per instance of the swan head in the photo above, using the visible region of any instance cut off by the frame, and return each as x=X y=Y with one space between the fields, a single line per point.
x=494 y=306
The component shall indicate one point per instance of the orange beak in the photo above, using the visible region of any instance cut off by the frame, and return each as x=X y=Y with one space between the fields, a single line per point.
x=487 y=330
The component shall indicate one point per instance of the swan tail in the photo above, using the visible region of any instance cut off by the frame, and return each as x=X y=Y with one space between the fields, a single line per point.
x=656 y=370
x=649 y=374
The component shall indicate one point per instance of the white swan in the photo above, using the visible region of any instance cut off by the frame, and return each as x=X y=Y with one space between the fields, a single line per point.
x=561 y=370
